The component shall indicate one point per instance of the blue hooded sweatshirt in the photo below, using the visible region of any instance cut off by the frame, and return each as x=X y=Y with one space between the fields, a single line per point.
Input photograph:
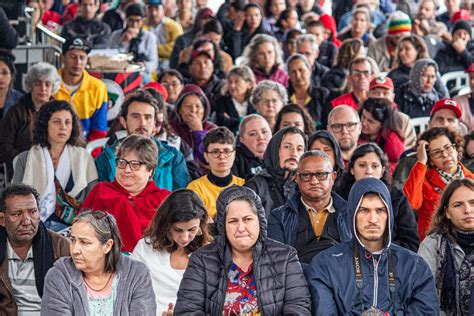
x=332 y=274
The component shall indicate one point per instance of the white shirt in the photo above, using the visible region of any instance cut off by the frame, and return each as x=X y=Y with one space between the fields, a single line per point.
x=164 y=278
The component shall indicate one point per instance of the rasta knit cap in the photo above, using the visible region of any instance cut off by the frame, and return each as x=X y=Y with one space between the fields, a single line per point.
x=399 y=23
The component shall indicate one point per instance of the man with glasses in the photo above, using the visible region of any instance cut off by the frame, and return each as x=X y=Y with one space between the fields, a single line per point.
x=87 y=26
x=275 y=184
x=135 y=40
x=312 y=220
x=344 y=125
x=219 y=152
x=360 y=75
x=140 y=115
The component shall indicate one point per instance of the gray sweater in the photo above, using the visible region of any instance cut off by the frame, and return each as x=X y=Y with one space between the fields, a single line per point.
x=65 y=294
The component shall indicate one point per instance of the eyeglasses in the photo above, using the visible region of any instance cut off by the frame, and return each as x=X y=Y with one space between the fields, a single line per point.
x=173 y=84
x=133 y=164
x=360 y=73
x=307 y=176
x=216 y=153
x=5 y=73
x=351 y=126
x=270 y=101
x=440 y=152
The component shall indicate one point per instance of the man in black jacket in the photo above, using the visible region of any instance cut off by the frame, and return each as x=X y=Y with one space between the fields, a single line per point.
x=87 y=26
x=312 y=220
x=275 y=184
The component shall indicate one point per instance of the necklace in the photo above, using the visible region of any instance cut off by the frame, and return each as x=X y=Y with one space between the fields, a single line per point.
x=100 y=290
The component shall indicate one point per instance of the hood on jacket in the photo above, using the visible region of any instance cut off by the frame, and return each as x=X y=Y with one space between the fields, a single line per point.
x=417 y=72
x=337 y=150
x=359 y=189
x=192 y=89
x=271 y=157
x=233 y=193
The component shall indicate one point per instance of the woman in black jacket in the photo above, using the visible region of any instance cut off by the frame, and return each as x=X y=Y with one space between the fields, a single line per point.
x=235 y=103
x=417 y=97
x=245 y=28
x=369 y=160
x=242 y=271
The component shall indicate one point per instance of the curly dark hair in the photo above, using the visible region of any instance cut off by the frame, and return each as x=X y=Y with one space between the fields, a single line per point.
x=8 y=58
x=440 y=223
x=454 y=137
x=345 y=184
x=40 y=127
x=295 y=108
x=181 y=205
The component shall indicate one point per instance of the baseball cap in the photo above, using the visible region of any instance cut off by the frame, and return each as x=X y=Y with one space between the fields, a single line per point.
x=76 y=43
x=154 y=2
x=470 y=68
x=448 y=104
x=200 y=51
x=381 y=82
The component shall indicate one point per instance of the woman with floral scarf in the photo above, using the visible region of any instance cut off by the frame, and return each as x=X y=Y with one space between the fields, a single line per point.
x=438 y=151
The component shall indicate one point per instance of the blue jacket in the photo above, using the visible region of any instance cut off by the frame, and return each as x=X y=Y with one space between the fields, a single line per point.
x=171 y=172
x=283 y=222
x=332 y=273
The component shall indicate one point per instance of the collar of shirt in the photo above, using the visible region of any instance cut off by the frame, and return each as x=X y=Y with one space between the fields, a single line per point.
x=13 y=256
x=330 y=207
x=306 y=101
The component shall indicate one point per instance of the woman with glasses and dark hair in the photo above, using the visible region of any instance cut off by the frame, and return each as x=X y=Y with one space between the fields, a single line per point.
x=439 y=152
x=97 y=279
x=132 y=198
x=243 y=272
x=219 y=152
x=378 y=125
x=173 y=81
x=449 y=248
x=62 y=172
x=368 y=160
x=179 y=228
x=294 y=115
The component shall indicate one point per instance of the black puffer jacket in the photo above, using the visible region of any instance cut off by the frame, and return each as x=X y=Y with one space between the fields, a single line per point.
x=270 y=183
x=281 y=285
x=246 y=164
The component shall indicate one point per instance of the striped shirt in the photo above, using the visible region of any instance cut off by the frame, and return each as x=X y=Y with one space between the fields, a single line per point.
x=22 y=278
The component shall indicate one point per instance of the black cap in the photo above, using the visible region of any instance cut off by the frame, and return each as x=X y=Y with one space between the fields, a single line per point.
x=77 y=43
x=464 y=25
x=134 y=9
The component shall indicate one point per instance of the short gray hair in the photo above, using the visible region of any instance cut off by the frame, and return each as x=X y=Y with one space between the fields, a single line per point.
x=250 y=50
x=310 y=38
x=41 y=72
x=318 y=154
x=340 y=108
x=297 y=56
x=144 y=147
x=105 y=228
x=265 y=85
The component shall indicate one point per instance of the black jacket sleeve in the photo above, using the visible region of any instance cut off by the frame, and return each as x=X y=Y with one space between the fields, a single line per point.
x=405 y=232
x=8 y=35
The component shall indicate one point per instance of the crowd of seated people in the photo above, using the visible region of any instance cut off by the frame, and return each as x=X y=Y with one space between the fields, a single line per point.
x=270 y=162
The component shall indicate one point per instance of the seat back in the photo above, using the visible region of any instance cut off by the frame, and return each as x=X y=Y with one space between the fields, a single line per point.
x=455 y=81
x=420 y=124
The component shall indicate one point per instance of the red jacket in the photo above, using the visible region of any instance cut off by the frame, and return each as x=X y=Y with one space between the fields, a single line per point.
x=346 y=99
x=423 y=190
x=132 y=213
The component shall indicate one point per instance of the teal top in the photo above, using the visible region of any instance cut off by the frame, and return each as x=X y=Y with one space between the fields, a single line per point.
x=104 y=306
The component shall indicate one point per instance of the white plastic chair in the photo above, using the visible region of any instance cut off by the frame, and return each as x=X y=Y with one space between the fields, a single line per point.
x=420 y=123
x=464 y=91
x=455 y=81
x=97 y=143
